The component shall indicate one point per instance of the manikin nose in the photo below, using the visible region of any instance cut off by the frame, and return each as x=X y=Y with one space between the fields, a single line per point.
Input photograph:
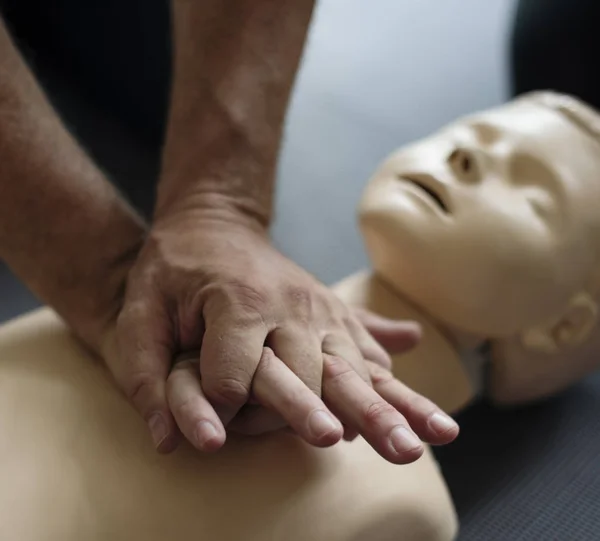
x=463 y=164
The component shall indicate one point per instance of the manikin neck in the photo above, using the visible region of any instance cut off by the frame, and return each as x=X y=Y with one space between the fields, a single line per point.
x=473 y=349
x=461 y=340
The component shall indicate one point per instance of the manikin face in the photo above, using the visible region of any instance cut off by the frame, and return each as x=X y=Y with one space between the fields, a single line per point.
x=490 y=225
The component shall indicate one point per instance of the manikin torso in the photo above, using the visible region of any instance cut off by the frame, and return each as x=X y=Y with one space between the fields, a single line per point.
x=77 y=464
x=76 y=461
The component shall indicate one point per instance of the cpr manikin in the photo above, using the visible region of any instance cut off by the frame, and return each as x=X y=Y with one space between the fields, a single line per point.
x=486 y=233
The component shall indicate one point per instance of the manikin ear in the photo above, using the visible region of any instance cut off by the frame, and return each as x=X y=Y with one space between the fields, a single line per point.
x=569 y=330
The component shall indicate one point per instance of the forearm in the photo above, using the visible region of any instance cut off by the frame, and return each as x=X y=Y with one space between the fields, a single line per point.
x=64 y=230
x=234 y=69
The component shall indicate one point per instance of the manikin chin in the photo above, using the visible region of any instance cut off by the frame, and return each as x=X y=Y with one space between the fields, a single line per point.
x=488 y=233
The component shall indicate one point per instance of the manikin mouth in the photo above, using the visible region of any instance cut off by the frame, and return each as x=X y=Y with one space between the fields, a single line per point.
x=428 y=186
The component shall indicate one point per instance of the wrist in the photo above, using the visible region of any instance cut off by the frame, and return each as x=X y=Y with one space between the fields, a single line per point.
x=92 y=308
x=202 y=205
x=222 y=169
x=84 y=281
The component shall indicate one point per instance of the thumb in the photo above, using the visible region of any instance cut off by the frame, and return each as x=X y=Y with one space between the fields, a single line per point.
x=140 y=365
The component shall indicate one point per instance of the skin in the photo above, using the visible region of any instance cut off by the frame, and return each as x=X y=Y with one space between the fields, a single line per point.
x=203 y=276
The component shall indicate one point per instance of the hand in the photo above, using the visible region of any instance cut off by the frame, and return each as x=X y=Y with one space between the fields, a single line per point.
x=391 y=337
x=421 y=414
x=204 y=282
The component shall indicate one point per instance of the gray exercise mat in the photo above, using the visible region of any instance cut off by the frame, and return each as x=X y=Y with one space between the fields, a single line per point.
x=531 y=473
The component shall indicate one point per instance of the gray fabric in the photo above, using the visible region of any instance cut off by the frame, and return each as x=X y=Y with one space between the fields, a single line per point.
x=529 y=474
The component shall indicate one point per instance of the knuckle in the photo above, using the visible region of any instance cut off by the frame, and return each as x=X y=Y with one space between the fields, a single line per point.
x=379 y=375
x=228 y=392
x=249 y=303
x=336 y=369
x=376 y=411
x=251 y=295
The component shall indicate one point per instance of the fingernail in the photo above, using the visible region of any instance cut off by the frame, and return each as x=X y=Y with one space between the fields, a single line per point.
x=441 y=423
x=403 y=440
x=205 y=431
x=158 y=429
x=320 y=423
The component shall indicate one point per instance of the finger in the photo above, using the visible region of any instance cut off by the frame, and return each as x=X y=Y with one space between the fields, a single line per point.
x=341 y=345
x=144 y=359
x=300 y=351
x=367 y=345
x=359 y=406
x=428 y=421
x=393 y=336
x=350 y=434
x=231 y=350
x=256 y=420
x=280 y=390
x=195 y=417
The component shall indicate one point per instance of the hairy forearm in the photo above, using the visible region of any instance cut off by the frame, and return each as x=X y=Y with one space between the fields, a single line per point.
x=234 y=69
x=64 y=230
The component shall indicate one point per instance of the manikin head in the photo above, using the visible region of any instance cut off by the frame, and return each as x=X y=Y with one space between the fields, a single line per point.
x=492 y=225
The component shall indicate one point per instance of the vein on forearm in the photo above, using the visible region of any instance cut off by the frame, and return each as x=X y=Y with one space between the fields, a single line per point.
x=235 y=66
